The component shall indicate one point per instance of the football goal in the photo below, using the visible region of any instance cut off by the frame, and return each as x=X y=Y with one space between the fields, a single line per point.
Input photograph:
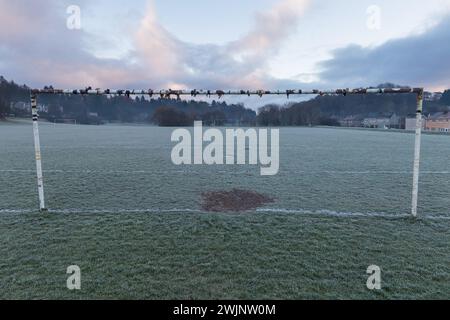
x=34 y=93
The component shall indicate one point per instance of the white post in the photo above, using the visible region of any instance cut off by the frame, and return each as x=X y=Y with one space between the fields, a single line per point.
x=37 y=149
x=415 y=192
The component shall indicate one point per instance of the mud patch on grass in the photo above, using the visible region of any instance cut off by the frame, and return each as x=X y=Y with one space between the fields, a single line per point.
x=236 y=200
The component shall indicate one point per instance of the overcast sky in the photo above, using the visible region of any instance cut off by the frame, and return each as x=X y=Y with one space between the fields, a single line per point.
x=227 y=44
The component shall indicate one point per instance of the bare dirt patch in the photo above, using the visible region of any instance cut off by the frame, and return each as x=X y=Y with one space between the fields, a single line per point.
x=236 y=200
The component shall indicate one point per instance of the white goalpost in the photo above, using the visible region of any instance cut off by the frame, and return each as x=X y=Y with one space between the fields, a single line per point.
x=417 y=145
x=220 y=93
x=37 y=152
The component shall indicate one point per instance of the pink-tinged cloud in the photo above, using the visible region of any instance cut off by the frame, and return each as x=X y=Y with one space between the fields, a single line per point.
x=240 y=63
x=37 y=48
x=40 y=50
x=271 y=29
x=156 y=49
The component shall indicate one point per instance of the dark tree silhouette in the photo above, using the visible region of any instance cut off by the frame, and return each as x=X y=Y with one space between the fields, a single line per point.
x=170 y=117
x=445 y=99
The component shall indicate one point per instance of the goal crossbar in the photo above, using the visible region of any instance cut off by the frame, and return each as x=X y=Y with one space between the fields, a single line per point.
x=193 y=93
x=169 y=93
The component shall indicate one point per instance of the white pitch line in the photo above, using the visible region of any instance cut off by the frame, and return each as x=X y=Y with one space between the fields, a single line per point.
x=222 y=171
x=312 y=213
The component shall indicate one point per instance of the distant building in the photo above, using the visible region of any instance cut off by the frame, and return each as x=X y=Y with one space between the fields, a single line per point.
x=42 y=108
x=410 y=123
x=395 y=122
x=432 y=96
x=351 y=121
x=26 y=106
x=22 y=106
x=438 y=122
x=377 y=123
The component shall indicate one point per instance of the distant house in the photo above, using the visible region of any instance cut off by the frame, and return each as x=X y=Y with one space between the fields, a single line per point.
x=438 y=122
x=395 y=122
x=351 y=121
x=411 y=122
x=42 y=108
x=377 y=123
x=20 y=106
x=26 y=106
x=432 y=96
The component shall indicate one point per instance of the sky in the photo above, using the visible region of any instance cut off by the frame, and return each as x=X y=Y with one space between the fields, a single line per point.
x=226 y=44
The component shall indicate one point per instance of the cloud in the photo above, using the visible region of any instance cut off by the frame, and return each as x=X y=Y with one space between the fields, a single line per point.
x=420 y=60
x=40 y=50
x=36 y=48
x=238 y=63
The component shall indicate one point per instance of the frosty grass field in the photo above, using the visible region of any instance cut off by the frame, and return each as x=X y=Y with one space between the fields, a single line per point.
x=133 y=221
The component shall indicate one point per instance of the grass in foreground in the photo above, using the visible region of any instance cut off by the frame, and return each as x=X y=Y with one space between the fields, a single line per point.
x=221 y=256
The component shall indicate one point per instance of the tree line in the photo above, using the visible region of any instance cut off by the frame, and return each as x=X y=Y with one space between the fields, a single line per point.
x=92 y=109
x=321 y=110
x=327 y=110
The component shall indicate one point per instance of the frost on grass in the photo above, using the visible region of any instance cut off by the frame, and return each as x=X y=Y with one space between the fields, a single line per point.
x=235 y=200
